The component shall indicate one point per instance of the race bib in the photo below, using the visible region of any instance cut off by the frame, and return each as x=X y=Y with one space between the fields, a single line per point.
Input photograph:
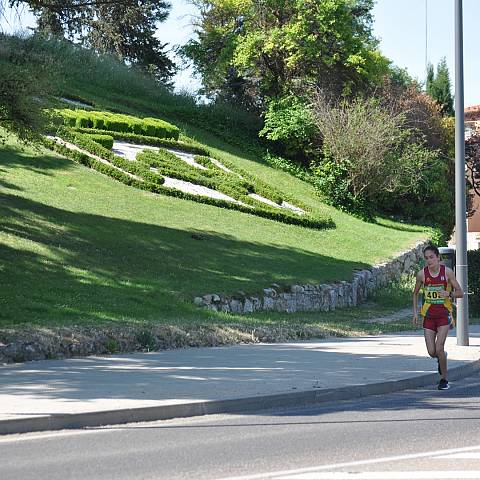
x=432 y=294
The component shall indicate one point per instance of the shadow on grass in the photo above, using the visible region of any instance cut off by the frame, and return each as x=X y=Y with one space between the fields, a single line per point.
x=15 y=157
x=9 y=186
x=387 y=223
x=59 y=265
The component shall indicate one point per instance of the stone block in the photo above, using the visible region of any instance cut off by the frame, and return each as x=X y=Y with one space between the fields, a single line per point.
x=270 y=292
x=198 y=301
x=236 y=306
x=297 y=289
x=207 y=299
x=247 y=306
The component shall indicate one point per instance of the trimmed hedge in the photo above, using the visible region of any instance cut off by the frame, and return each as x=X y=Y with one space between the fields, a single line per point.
x=206 y=162
x=203 y=155
x=193 y=148
x=170 y=165
x=90 y=162
x=117 y=122
x=168 y=162
x=104 y=140
x=135 y=168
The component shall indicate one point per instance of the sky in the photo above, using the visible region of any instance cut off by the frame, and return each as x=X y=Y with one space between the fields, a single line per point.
x=409 y=32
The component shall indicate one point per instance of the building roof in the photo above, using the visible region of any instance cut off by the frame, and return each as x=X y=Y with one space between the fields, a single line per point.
x=472 y=113
x=474 y=108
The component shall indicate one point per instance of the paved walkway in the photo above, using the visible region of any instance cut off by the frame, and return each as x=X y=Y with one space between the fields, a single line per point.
x=96 y=390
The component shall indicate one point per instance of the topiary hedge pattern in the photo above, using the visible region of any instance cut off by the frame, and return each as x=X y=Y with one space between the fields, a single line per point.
x=104 y=140
x=117 y=122
x=134 y=168
x=151 y=166
x=184 y=143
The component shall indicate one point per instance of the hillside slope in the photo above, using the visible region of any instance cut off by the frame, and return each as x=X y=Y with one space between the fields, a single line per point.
x=77 y=246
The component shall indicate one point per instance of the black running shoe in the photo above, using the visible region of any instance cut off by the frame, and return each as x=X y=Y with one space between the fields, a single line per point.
x=443 y=384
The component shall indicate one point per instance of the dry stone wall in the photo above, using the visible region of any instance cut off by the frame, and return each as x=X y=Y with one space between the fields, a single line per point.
x=314 y=298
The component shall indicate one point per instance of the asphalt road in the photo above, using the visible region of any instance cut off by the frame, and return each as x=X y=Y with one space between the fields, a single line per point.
x=424 y=434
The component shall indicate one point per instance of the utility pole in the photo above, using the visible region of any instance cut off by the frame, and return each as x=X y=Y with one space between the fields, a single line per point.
x=460 y=199
x=426 y=37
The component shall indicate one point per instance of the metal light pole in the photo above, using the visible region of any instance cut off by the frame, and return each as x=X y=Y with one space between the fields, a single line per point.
x=460 y=200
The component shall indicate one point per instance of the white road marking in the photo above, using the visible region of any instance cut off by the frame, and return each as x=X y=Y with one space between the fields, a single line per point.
x=33 y=436
x=463 y=456
x=286 y=473
x=406 y=475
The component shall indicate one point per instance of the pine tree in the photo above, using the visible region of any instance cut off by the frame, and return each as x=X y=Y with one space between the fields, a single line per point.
x=125 y=28
x=439 y=87
x=430 y=80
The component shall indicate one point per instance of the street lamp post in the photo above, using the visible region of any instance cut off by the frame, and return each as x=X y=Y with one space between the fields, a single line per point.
x=460 y=199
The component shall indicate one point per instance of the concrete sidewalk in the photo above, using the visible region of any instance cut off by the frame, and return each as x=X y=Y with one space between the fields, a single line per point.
x=92 y=391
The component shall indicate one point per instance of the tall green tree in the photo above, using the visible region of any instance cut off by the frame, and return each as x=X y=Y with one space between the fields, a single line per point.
x=124 y=28
x=128 y=32
x=250 y=50
x=439 y=87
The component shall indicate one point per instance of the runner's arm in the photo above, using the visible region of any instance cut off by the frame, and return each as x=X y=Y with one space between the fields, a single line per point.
x=457 y=289
x=418 y=286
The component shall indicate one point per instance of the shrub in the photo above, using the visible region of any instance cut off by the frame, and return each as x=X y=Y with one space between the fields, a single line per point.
x=147 y=340
x=168 y=164
x=360 y=136
x=83 y=121
x=112 y=346
x=116 y=125
x=104 y=140
x=95 y=148
x=27 y=76
x=422 y=190
x=291 y=126
x=474 y=280
x=374 y=163
x=116 y=122
x=290 y=167
x=332 y=180
x=205 y=161
x=193 y=147
x=310 y=221
x=90 y=162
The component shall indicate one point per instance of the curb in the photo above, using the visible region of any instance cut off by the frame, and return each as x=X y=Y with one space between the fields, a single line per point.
x=209 y=407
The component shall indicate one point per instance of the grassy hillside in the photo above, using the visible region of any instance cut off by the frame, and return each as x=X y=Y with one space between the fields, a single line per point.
x=79 y=247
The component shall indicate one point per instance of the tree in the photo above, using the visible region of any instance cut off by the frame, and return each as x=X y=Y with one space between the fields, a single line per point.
x=439 y=87
x=27 y=75
x=129 y=33
x=472 y=159
x=276 y=47
x=375 y=162
x=125 y=28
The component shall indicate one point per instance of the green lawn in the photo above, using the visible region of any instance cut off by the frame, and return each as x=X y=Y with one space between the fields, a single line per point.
x=76 y=246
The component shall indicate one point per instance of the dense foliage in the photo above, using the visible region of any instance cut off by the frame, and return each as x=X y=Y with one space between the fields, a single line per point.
x=472 y=158
x=249 y=51
x=375 y=161
x=124 y=28
x=26 y=76
x=473 y=261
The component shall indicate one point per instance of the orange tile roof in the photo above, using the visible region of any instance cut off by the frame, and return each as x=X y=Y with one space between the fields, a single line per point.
x=474 y=108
